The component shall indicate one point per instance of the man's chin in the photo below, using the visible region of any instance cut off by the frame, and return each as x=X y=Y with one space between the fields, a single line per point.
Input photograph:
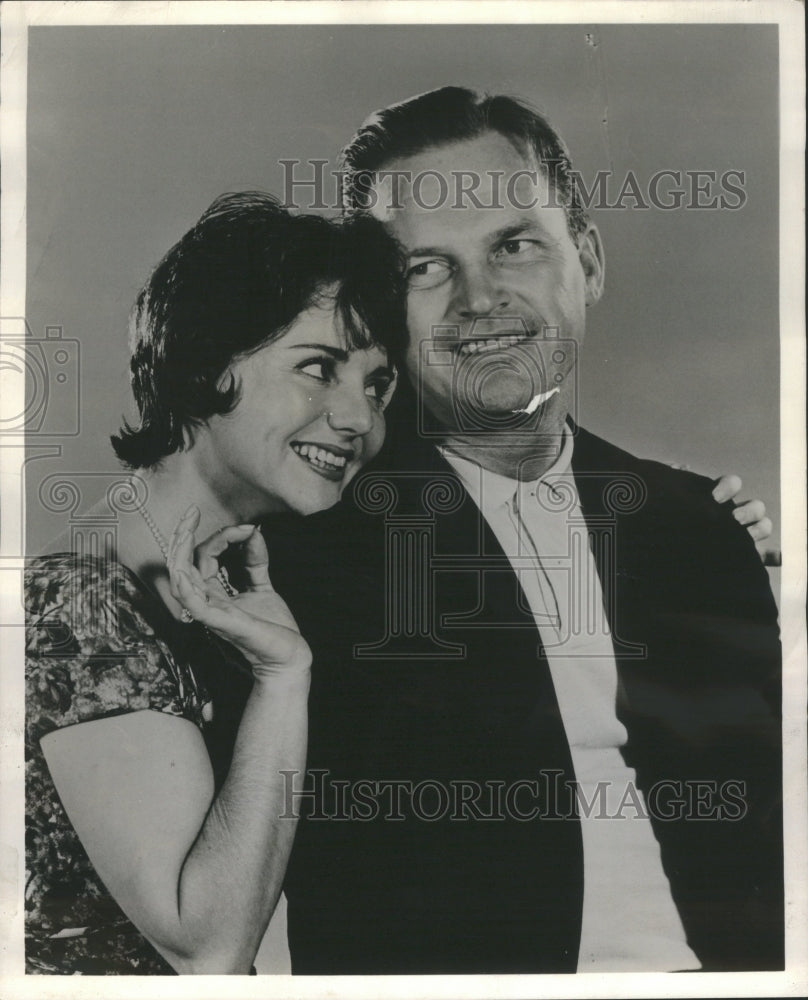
x=522 y=414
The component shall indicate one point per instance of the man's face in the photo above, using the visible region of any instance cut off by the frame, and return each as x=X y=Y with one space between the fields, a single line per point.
x=509 y=279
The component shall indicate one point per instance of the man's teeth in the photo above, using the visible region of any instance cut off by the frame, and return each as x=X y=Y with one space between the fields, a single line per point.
x=492 y=344
x=320 y=456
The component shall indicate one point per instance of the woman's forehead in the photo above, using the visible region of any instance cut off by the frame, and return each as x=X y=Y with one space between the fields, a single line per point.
x=322 y=325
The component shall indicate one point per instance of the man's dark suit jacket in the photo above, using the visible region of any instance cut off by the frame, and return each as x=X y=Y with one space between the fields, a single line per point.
x=448 y=683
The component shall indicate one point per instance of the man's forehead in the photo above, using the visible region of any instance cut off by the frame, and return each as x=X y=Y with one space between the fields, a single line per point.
x=484 y=173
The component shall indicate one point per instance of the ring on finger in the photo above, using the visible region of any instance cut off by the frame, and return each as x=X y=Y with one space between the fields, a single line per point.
x=186 y=616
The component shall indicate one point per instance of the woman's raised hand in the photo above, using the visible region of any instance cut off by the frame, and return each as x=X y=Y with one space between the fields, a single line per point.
x=257 y=620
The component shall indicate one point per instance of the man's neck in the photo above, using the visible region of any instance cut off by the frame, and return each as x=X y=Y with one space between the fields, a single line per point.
x=517 y=456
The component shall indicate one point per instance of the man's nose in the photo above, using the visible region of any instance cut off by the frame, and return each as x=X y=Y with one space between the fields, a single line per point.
x=350 y=410
x=480 y=291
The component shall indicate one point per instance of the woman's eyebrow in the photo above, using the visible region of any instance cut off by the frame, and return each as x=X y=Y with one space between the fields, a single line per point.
x=335 y=352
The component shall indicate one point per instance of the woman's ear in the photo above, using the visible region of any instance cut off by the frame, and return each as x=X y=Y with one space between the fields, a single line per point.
x=593 y=262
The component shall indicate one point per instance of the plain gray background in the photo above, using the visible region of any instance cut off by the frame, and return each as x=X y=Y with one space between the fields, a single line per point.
x=133 y=131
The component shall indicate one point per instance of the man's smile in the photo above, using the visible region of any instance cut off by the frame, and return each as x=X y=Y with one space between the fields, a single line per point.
x=500 y=342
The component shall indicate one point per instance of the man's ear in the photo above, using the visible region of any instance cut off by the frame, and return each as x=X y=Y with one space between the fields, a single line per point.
x=593 y=262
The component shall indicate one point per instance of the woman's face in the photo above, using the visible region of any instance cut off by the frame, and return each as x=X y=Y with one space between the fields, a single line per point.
x=309 y=416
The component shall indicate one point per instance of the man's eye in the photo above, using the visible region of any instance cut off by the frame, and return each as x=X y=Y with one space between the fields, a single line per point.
x=428 y=273
x=321 y=369
x=520 y=249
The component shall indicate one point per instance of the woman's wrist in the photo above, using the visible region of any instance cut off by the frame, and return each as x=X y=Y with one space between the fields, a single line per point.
x=289 y=680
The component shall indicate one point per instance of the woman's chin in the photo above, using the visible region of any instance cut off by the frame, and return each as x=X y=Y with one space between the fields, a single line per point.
x=315 y=501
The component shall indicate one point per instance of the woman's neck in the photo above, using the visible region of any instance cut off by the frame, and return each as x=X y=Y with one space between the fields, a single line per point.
x=163 y=495
x=168 y=490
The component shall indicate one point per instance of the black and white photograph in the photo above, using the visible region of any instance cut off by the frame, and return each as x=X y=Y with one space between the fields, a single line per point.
x=403 y=500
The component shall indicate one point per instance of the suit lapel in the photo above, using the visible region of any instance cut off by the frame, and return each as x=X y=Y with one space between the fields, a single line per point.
x=612 y=501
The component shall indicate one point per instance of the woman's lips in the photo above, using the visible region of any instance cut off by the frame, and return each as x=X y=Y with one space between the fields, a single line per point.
x=329 y=461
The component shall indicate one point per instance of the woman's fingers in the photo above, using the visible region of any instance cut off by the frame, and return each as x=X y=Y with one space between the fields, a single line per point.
x=263 y=643
x=181 y=557
x=208 y=609
x=188 y=521
x=207 y=553
x=200 y=563
x=256 y=560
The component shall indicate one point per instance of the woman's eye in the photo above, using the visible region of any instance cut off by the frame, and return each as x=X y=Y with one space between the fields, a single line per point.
x=320 y=368
x=381 y=390
x=428 y=273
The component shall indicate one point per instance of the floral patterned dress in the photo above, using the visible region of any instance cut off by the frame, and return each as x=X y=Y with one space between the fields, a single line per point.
x=97 y=645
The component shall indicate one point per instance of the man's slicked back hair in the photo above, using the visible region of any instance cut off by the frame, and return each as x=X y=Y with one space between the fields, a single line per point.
x=456 y=114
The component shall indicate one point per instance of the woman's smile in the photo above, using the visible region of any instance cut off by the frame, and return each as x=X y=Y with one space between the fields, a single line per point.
x=326 y=460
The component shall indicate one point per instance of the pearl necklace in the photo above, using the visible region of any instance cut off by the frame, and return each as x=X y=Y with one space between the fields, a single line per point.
x=144 y=512
x=185 y=615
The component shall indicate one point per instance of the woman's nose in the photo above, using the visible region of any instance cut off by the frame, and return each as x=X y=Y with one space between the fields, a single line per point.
x=350 y=410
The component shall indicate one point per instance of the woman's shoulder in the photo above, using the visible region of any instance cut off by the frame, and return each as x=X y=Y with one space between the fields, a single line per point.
x=64 y=563
x=94 y=599
x=98 y=643
x=61 y=572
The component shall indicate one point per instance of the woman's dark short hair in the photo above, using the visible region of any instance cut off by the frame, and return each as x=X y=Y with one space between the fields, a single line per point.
x=455 y=114
x=236 y=281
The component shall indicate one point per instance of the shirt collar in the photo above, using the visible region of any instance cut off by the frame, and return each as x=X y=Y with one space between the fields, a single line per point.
x=490 y=490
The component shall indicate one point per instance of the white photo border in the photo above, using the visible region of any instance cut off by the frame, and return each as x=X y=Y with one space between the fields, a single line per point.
x=17 y=17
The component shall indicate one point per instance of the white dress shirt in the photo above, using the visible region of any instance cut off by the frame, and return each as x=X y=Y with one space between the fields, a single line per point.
x=630 y=922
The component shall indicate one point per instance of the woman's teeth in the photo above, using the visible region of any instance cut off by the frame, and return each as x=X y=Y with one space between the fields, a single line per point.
x=320 y=457
x=491 y=344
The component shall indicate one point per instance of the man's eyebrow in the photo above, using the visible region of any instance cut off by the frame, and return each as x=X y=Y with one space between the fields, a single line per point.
x=335 y=352
x=497 y=236
x=515 y=229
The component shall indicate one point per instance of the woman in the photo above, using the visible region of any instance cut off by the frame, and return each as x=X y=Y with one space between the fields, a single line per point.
x=262 y=363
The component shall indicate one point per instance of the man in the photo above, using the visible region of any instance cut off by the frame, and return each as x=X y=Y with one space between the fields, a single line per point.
x=544 y=726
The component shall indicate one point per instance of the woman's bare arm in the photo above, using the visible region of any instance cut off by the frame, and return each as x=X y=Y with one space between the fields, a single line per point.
x=199 y=876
